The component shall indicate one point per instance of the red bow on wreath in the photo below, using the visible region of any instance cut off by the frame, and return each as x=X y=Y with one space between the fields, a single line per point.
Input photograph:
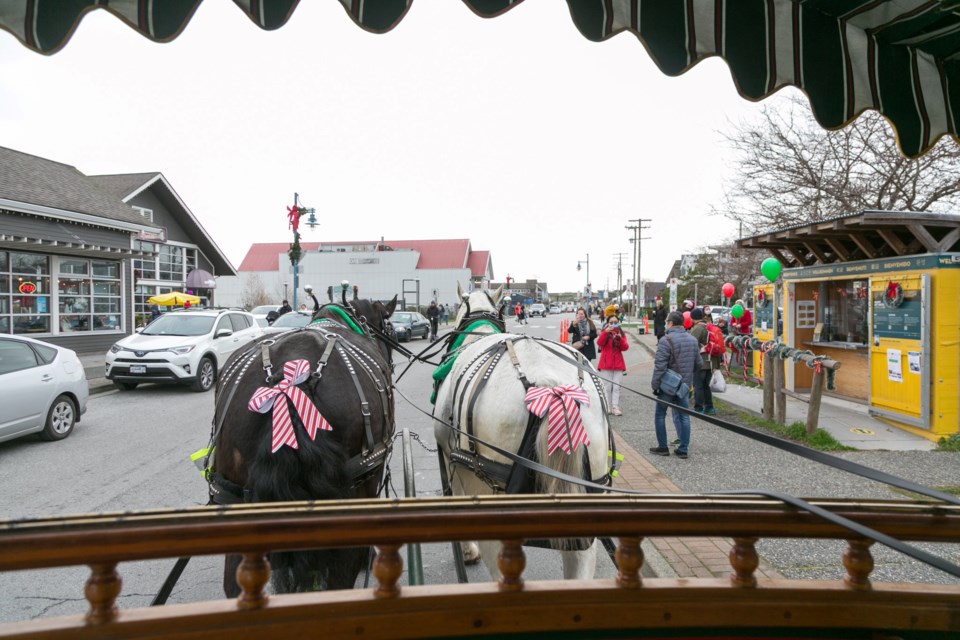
x=266 y=398
x=892 y=290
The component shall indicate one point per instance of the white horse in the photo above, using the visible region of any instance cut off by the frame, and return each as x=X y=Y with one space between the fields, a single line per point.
x=486 y=395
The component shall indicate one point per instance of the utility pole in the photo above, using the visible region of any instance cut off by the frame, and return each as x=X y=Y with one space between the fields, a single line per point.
x=619 y=257
x=637 y=238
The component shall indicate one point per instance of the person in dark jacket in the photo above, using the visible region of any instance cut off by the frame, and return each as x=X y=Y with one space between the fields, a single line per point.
x=679 y=351
x=659 y=320
x=583 y=330
x=284 y=308
x=702 y=395
x=433 y=315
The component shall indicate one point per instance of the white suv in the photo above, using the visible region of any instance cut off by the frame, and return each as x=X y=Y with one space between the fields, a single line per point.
x=186 y=347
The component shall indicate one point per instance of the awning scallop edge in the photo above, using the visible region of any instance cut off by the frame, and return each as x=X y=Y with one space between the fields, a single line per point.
x=898 y=58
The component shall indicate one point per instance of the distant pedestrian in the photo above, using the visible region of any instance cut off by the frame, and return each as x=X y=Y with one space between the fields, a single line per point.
x=284 y=308
x=702 y=394
x=612 y=342
x=433 y=315
x=445 y=313
x=745 y=323
x=679 y=352
x=659 y=319
x=154 y=312
x=583 y=335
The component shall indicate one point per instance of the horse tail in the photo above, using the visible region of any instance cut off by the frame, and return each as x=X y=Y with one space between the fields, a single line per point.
x=572 y=464
x=313 y=471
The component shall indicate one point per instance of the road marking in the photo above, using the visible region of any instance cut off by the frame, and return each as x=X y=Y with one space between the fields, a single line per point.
x=862 y=431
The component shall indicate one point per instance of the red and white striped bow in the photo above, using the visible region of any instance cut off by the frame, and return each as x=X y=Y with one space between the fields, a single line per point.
x=559 y=401
x=265 y=398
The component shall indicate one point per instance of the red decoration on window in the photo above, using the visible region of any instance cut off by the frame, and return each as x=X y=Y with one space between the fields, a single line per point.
x=816 y=295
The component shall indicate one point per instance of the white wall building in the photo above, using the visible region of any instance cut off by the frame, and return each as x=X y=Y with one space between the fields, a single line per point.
x=381 y=269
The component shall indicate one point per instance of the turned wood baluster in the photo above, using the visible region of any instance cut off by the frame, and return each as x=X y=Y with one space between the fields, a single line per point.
x=511 y=561
x=744 y=561
x=629 y=556
x=387 y=569
x=101 y=591
x=858 y=562
x=253 y=573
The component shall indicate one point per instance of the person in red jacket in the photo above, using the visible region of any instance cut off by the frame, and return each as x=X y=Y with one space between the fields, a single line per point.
x=746 y=320
x=612 y=342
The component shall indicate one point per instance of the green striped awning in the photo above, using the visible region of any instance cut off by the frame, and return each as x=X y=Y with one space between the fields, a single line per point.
x=898 y=57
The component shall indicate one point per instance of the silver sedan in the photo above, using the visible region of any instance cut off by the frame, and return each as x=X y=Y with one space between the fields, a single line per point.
x=45 y=389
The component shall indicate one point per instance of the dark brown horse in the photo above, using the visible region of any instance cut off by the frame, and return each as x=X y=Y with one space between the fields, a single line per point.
x=271 y=445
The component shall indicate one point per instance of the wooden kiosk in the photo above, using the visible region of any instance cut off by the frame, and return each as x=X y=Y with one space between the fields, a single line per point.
x=878 y=291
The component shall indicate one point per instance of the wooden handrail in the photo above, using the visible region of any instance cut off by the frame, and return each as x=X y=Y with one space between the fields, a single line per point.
x=105 y=541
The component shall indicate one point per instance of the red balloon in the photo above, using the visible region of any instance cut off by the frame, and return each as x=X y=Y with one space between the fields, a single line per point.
x=728 y=290
x=687 y=321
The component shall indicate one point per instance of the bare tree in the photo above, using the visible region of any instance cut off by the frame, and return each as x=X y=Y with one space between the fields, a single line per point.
x=791 y=171
x=254 y=293
x=717 y=265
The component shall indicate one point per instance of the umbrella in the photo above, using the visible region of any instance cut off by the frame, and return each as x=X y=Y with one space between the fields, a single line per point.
x=898 y=58
x=173 y=299
x=200 y=279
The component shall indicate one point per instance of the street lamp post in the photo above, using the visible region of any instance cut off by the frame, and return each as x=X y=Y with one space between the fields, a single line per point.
x=587 y=262
x=293 y=220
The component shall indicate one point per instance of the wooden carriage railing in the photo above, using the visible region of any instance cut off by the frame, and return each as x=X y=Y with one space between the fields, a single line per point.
x=513 y=605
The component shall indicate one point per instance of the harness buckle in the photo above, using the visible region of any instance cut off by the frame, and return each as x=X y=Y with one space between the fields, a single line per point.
x=365 y=409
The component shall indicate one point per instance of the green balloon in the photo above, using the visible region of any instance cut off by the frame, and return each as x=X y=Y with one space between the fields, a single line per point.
x=736 y=311
x=770 y=268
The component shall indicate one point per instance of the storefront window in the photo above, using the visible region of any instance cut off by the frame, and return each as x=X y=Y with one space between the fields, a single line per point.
x=24 y=293
x=171 y=263
x=845 y=307
x=146 y=269
x=89 y=304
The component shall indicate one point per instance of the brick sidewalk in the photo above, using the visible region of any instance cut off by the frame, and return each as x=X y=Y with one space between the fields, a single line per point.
x=688 y=557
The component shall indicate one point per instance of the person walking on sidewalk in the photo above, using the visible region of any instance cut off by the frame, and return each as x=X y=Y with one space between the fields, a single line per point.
x=680 y=352
x=583 y=335
x=702 y=395
x=433 y=315
x=612 y=342
x=659 y=320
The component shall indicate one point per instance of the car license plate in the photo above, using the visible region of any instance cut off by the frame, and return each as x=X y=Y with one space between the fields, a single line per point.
x=138 y=368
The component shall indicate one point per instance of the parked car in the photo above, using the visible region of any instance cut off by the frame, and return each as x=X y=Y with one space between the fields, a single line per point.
x=537 y=309
x=409 y=325
x=288 y=321
x=185 y=346
x=554 y=308
x=44 y=389
x=260 y=313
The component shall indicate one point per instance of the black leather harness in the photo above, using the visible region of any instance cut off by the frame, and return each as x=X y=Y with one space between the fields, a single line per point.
x=359 y=468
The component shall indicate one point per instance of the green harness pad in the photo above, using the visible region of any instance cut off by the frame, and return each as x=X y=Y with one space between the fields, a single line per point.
x=443 y=370
x=347 y=320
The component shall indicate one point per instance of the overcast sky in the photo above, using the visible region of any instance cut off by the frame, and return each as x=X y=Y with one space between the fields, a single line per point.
x=516 y=132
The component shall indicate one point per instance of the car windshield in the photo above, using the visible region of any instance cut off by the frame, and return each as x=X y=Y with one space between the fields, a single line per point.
x=293 y=320
x=264 y=308
x=179 y=325
x=402 y=317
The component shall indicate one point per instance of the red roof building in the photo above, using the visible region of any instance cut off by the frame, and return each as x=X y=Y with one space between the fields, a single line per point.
x=416 y=270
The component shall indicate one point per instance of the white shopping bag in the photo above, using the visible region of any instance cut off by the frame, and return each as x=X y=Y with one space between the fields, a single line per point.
x=718 y=384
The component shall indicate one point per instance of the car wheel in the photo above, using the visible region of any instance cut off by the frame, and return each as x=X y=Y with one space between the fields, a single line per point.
x=60 y=419
x=125 y=386
x=206 y=374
